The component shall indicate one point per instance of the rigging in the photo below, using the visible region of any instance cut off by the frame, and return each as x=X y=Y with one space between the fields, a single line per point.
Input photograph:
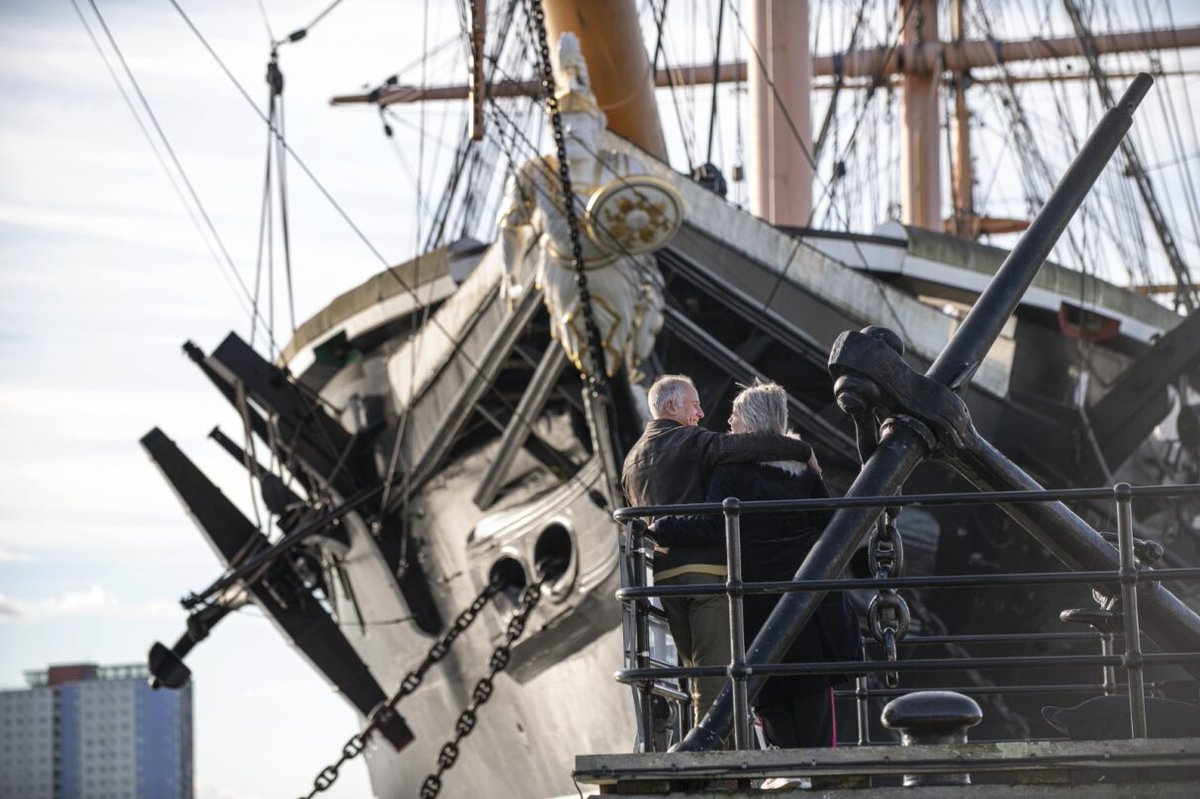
x=1186 y=295
x=411 y=290
x=226 y=260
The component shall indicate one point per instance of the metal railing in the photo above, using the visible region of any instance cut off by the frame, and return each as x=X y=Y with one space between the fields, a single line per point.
x=651 y=676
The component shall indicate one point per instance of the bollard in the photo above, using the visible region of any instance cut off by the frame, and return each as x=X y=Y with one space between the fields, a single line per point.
x=932 y=717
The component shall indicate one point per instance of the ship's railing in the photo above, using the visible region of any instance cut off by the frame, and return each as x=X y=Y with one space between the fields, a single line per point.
x=654 y=679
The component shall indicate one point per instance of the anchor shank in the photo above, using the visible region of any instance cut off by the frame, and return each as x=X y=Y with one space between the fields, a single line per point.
x=1165 y=618
x=961 y=357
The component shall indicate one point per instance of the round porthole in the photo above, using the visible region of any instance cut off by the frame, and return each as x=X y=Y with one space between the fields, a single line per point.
x=511 y=576
x=554 y=559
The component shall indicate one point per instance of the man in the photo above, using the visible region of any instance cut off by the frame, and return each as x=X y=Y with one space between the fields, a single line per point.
x=670 y=464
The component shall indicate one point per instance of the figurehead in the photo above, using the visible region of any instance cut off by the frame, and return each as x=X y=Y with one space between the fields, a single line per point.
x=623 y=216
x=574 y=88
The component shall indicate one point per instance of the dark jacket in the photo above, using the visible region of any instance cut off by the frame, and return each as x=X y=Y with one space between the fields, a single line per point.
x=673 y=463
x=773 y=547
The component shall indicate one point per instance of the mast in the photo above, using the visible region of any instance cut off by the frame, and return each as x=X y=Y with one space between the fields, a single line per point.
x=780 y=107
x=963 y=222
x=610 y=37
x=922 y=166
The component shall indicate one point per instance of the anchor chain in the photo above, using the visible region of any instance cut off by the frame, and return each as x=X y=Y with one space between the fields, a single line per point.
x=358 y=742
x=448 y=755
x=597 y=380
x=888 y=616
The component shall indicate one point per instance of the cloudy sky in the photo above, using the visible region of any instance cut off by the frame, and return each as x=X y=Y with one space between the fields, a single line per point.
x=103 y=276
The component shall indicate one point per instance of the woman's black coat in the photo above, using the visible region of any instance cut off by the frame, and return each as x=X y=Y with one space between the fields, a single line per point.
x=773 y=546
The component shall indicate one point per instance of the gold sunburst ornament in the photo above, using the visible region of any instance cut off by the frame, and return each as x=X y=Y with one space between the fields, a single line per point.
x=633 y=215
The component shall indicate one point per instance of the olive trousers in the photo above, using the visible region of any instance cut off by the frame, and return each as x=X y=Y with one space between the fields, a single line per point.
x=700 y=627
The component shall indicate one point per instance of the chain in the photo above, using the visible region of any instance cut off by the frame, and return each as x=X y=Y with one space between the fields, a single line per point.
x=538 y=15
x=483 y=691
x=888 y=616
x=358 y=742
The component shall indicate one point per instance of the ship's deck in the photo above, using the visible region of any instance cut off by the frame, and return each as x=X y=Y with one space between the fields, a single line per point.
x=1159 y=768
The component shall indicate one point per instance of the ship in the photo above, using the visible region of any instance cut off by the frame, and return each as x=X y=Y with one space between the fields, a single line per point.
x=441 y=444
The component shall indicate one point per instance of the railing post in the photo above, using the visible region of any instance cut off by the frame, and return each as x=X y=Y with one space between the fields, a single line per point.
x=1129 y=605
x=862 y=704
x=1109 y=681
x=637 y=650
x=737 y=637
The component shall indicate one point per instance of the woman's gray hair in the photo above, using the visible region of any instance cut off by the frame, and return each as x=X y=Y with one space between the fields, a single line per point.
x=762 y=407
x=667 y=388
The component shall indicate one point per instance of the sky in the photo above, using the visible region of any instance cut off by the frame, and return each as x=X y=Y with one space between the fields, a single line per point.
x=103 y=276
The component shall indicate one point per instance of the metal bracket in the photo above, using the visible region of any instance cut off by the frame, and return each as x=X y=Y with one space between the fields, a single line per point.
x=872 y=379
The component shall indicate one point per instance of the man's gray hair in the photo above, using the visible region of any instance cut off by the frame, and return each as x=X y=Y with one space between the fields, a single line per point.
x=667 y=388
x=762 y=407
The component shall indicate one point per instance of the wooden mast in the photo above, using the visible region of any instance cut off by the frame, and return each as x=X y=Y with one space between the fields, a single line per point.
x=962 y=169
x=779 y=103
x=921 y=162
x=610 y=38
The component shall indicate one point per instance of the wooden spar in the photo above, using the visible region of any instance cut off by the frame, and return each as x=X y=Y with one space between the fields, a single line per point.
x=980 y=53
x=702 y=75
x=860 y=65
x=961 y=167
x=779 y=101
x=610 y=38
x=478 y=39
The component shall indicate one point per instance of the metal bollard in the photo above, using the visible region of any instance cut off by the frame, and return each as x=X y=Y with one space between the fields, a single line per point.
x=932 y=717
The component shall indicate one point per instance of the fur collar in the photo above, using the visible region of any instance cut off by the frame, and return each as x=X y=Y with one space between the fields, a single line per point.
x=793 y=468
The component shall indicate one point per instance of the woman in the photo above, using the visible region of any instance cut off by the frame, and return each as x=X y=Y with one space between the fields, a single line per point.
x=796 y=711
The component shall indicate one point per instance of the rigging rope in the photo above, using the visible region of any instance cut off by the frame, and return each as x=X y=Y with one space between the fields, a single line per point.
x=226 y=259
x=262 y=9
x=660 y=51
x=409 y=289
x=716 y=69
x=1186 y=293
x=301 y=33
x=838 y=82
x=1021 y=132
x=284 y=206
x=827 y=187
x=287 y=147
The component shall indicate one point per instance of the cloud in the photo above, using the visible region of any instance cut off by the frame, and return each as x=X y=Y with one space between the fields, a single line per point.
x=168 y=232
x=93 y=601
x=9 y=556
